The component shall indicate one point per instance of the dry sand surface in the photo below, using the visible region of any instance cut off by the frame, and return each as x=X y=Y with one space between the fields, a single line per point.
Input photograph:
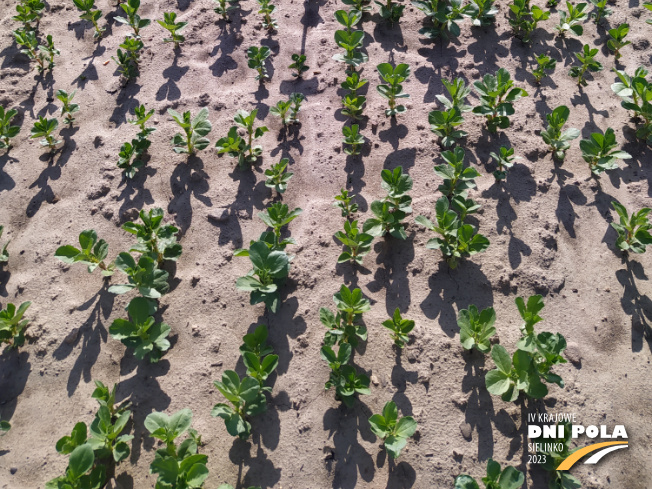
x=548 y=226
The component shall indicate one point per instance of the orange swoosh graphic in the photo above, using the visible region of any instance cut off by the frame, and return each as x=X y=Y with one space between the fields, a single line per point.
x=571 y=459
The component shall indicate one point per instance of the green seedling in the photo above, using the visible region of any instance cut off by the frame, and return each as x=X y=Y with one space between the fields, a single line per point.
x=12 y=325
x=458 y=91
x=353 y=139
x=4 y=427
x=497 y=92
x=476 y=328
x=390 y=11
x=353 y=82
x=400 y=328
x=48 y=52
x=229 y=486
x=246 y=398
x=256 y=57
x=68 y=108
x=132 y=47
x=91 y=14
x=155 y=239
x=133 y=19
x=444 y=16
x=246 y=121
x=30 y=47
x=143 y=275
x=350 y=41
x=558 y=141
x=129 y=157
x=82 y=471
x=458 y=180
x=359 y=5
x=106 y=397
x=587 y=58
x=7 y=131
x=178 y=467
x=505 y=159
x=357 y=244
x=558 y=450
x=195 y=129
x=393 y=90
x=552 y=3
x=297 y=99
x=278 y=177
x=141 y=332
x=514 y=375
x=625 y=87
x=633 y=231
x=571 y=20
x=343 y=202
x=170 y=24
x=343 y=327
x=105 y=435
x=349 y=19
x=525 y=18
x=233 y=145
x=601 y=10
x=276 y=216
x=344 y=377
x=353 y=106
x=444 y=124
x=483 y=12
x=457 y=240
x=27 y=16
x=507 y=478
x=544 y=63
x=267 y=9
x=390 y=212
x=4 y=254
x=225 y=6
x=601 y=152
x=283 y=109
x=299 y=65
x=648 y=5
x=269 y=268
x=617 y=41
x=637 y=96
x=126 y=66
x=260 y=367
x=92 y=253
x=256 y=342
x=393 y=431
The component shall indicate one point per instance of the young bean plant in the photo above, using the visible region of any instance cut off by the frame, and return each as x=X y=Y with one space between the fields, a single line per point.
x=143 y=275
x=278 y=177
x=476 y=328
x=130 y=157
x=617 y=41
x=392 y=210
x=133 y=20
x=554 y=454
x=393 y=90
x=155 y=239
x=497 y=92
x=525 y=18
x=505 y=159
x=269 y=269
x=507 y=478
x=267 y=9
x=636 y=95
x=7 y=131
x=602 y=11
x=571 y=20
x=393 y=431
x=299 y=65
x=345 y=326
x=352 y=102
x=601 y=152
x=4 y=254
x=558 y=141
x=256 y=59
x=483 y=12
x=90 y=13
x=170 y=24
x=344 y=377
x=353 y=140
x=400 y=328
x=445 y=123
x=390 y=11
x=444 y=16
x=91 y=253
x=633 y=231
x=225 y=6
x=587 y=58
x=544 y=63
x=12 y=325
x=458 y=91
x=349 y=40
x=177 y=467
x=343 y=202
x=195 y=129
x=357 y=244
x=68 y=108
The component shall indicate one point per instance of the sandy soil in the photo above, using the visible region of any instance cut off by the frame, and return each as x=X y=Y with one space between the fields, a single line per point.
x=548 y=226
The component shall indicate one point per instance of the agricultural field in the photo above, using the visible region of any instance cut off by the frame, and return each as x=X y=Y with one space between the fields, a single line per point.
x=332 y=244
